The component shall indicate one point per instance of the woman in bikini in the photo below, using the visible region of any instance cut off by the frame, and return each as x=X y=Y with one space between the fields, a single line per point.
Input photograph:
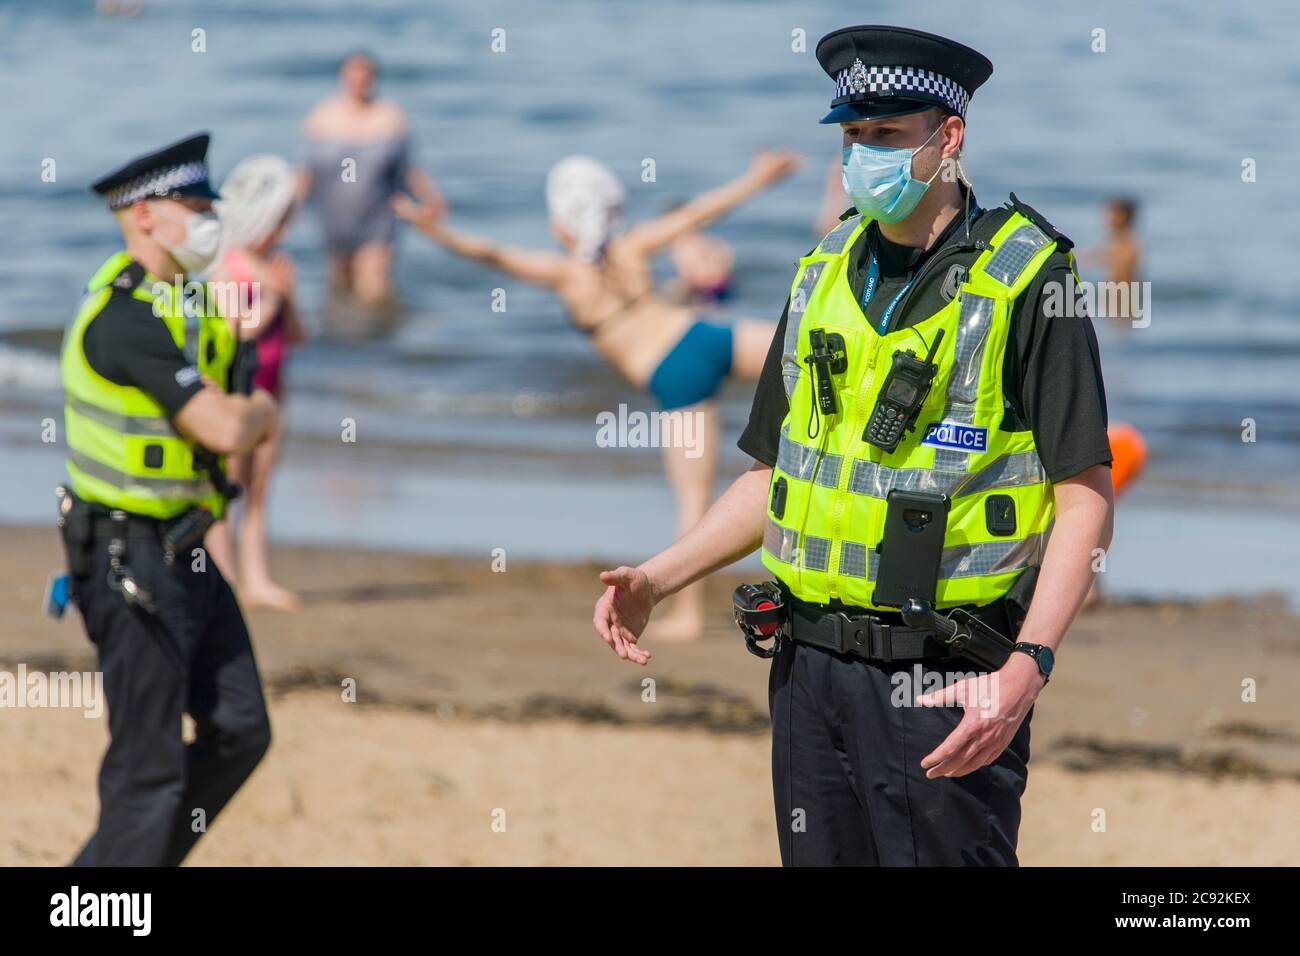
x=257 y=202
x=605 y=282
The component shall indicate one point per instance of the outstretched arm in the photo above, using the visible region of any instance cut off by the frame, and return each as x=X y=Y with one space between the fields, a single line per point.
x=729 y=530
x=541 y=268
x=768 y=168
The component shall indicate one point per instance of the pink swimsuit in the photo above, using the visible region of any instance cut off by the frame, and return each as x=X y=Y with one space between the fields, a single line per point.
x=273 y=343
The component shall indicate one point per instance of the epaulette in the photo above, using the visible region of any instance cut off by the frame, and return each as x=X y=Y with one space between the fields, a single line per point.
x=1063 y=242
x=130 y=277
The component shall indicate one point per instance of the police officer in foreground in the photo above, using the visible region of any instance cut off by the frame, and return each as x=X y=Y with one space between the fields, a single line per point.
x=923 y=423
x=156 y=392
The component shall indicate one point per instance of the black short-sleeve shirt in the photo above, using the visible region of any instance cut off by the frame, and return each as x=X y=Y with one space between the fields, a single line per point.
x=1051 y=370
x=129 y=345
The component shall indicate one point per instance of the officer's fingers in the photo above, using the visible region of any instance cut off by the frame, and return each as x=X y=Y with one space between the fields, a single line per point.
x=971 y=750
x=956 y=764
x=619 y=577
x=941 y=697
x=620 y=646
x=971 y=759
x=948 y=748
x=635 y=652
x=600 y=620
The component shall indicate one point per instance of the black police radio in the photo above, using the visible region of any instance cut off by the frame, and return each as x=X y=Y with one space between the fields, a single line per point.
x=901 y=397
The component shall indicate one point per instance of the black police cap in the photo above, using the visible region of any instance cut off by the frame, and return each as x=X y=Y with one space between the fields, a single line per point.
x=172 y=172
x=888 y=71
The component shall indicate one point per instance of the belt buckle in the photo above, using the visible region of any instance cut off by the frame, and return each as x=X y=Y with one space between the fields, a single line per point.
x=877 y=643
x=882 y=641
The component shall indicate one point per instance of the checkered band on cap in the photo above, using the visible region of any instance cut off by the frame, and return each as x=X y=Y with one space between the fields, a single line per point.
x=158 y=182
x=859 y=79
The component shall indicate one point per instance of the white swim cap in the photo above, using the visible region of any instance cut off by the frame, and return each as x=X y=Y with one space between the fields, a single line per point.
x=585 y=199
x=254 y=200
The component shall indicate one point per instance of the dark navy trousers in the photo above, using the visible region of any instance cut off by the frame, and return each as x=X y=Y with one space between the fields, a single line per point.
x=847 y=777
x=157 y=794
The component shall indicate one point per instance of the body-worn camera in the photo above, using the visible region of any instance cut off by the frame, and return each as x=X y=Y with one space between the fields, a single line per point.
x=901 y=397
x=826 y=356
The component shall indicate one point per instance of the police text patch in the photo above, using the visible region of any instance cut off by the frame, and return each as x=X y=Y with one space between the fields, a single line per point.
x=956 y=436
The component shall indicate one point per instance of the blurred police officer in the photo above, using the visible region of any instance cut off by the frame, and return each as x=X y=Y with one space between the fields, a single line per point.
x=155 y=394
x=1013 y=431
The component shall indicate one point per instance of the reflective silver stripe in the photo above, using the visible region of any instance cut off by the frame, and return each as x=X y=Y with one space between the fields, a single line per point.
x=992 y=557
x=800 y=461
x=1014 y=252
x=125 y=424
x=950 y=459
x=782 y=544
x=858 y=561
x=1009 y=471
x=875 y=480
x=973 y=324
x=790 y=367
x=837 y=237
x=140 y=487
x=958 y=561
x=816 y=552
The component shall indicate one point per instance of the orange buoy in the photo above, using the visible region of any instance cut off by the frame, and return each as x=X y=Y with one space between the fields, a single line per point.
x=1129 y=452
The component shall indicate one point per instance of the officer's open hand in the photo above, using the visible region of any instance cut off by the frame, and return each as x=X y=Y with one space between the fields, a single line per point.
x=623 y=611
x=995 y=706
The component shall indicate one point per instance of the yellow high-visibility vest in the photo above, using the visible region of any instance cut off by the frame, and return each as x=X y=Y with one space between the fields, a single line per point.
x=827 y=501
x=122 y=450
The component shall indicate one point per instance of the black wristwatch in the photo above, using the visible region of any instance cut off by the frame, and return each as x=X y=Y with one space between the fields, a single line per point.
x=1042 y=655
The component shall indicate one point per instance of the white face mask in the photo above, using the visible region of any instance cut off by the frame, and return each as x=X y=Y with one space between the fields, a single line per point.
x=196 y=251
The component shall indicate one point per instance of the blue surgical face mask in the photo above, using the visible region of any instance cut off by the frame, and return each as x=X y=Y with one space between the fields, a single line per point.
x=879 y=180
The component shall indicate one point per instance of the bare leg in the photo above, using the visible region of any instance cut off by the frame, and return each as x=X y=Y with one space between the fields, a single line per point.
x=220 y=539
x=221 y=547
x=691 y=472
x=340 y=271
x=751 y=339
x=372 y=269
x=257 y=589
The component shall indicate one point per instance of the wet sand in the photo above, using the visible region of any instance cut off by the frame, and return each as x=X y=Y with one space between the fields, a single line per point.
x=491 y=726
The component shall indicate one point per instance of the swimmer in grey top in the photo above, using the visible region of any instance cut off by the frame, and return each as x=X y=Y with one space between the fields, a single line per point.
x=352 y=186
x=356 y=157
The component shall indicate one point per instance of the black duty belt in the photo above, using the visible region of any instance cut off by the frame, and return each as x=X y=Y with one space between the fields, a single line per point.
x=864 y=636
x=132 y=526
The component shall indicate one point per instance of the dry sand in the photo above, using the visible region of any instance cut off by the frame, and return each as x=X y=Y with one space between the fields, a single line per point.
x=492 y=727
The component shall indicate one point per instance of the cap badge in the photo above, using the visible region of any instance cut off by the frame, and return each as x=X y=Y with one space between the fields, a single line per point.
x=858 y=77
